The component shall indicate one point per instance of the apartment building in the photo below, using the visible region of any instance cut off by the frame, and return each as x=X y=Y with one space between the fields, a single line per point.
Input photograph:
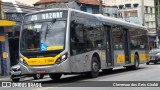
x=157 y=11
x=140 y=12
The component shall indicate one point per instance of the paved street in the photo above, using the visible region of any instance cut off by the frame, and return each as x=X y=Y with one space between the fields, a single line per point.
x=145 y=73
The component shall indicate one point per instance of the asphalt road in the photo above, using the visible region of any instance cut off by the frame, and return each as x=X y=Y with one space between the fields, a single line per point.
x=145 y=73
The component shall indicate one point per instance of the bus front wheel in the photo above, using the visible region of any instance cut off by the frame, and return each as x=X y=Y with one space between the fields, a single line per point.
x=16 y=80
x=55 y=77
x=94 y=67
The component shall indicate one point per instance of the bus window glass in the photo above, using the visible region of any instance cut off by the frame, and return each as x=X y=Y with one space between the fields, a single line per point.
x=117 y=37
x=51 y=34
x=134 y=39
x=86 y=35
x=143 y=39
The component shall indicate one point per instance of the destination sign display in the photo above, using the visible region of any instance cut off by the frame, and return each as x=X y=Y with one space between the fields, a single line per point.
x=46 y=16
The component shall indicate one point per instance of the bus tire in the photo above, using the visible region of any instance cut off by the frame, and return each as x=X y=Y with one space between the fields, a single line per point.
x=95 y=66
x=147 y=63
x=55 y=76
x=16 y=80
x=38 y=76
x=155 y=62
x=136 y=63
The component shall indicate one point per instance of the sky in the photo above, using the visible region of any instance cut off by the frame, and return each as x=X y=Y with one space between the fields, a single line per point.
x=28 y=2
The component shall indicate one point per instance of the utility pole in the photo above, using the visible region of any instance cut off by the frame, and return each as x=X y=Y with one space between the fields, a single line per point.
x=143 y=15
x=156 y=20
x=100 y=7
x=3 y=53
x=0 y=10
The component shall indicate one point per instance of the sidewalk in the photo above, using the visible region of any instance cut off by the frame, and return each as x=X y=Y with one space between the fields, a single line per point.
x=4 y=78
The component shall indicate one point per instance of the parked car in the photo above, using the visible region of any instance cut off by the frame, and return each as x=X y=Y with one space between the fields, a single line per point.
x=154 y=56
x=16 y=74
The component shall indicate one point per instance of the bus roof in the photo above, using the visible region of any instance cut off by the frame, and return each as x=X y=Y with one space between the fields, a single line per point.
x=98 y=16
x=119 y=22
x=113 y=20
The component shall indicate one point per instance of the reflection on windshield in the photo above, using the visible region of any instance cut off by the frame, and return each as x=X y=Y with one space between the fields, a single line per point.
x=50 y=34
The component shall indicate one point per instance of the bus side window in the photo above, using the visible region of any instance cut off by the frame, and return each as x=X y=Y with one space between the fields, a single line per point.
x=73 y=31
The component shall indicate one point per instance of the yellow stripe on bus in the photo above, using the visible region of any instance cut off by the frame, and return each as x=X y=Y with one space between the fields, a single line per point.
x=143 y=57
x=120 y=58
x=132 y=57
x=41 y=61
x=54 y=47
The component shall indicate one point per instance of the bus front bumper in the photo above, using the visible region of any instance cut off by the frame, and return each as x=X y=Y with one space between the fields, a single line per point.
x=56 y=68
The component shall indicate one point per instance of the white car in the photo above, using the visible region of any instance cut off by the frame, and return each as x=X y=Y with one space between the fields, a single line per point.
x=16 y=74
x=154 y=56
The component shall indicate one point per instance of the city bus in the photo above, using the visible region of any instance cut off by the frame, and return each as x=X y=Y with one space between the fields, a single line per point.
x=68 y=41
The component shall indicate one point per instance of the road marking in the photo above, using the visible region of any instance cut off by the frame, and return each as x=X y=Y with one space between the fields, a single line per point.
x=4 y=78
x=42 y=88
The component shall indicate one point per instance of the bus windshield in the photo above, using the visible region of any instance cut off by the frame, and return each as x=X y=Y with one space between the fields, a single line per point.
x=43 y=36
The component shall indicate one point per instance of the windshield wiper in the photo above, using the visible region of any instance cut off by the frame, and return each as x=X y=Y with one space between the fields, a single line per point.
x=47 y=29
x=46 y=33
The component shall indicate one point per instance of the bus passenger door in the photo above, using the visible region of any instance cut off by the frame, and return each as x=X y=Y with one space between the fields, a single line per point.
x=126 y=46
x=108 y=45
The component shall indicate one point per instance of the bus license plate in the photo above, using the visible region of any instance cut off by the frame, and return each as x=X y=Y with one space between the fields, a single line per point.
x=41 y=71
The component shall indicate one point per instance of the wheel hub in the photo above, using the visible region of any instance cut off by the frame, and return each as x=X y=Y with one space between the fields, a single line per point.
x=95 y=67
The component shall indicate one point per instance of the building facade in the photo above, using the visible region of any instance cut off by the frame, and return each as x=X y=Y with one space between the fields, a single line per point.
x=140 y=12
x=91 y=6
x=12 y=13
x=110 y=11
x=30 y=2
x=157 y=11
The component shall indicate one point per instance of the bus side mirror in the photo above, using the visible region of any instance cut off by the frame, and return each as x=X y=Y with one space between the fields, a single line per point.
x=99 y=46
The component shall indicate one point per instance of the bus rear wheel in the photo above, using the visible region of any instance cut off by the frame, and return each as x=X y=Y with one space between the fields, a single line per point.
x=95 y=66
x=55 y=77
x=136 y=63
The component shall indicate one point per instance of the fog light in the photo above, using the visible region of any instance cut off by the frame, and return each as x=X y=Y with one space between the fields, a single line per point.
x=21 y=60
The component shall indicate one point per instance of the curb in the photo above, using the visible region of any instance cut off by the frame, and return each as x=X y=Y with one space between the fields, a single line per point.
x=4 y=78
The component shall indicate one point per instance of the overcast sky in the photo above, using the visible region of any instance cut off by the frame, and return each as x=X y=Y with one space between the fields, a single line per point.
x=28 y=2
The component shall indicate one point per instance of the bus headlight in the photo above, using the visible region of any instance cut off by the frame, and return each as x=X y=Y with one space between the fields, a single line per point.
x=23 y=61
x=62 y=58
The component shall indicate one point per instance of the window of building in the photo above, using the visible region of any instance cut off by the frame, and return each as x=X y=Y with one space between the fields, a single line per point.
x=83 y=8
x=146 y=9
x=135 y=5
x=95 y=10
x=107 y=14
x=151 y=10
x=121 y=6
x=115 y=15
x=128 y=5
